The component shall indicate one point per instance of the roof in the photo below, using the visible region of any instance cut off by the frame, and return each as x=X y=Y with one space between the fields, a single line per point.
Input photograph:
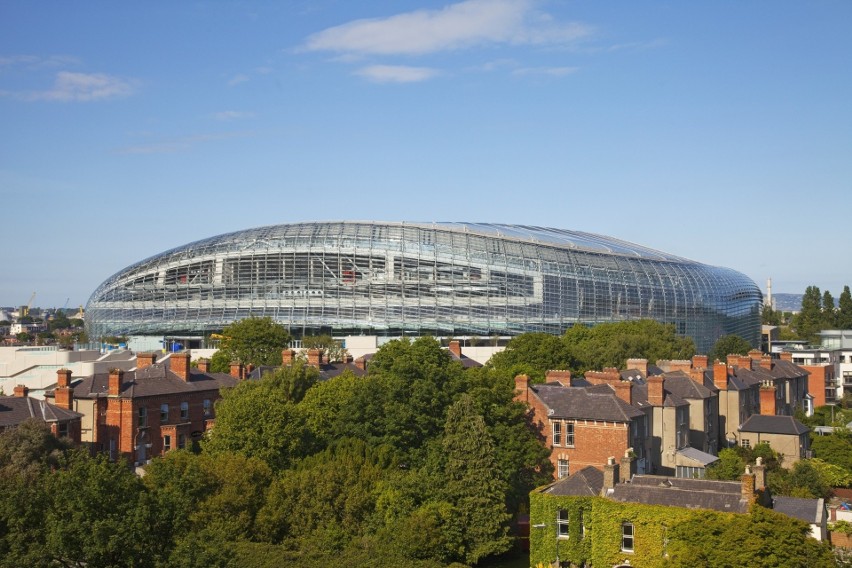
x=587 y=481
x=591 y=403
x=681 y=385
x=17 y=409
x=682 y=492
x=762 y=424
x=808 y=510
x=327 y=370
x=466 y=361
x=154 y=380
x=698 y=456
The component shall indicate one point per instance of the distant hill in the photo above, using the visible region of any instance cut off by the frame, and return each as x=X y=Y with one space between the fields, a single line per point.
x=787 y=302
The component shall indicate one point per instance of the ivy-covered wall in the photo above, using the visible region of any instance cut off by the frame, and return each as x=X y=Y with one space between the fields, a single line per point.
x=600 y=544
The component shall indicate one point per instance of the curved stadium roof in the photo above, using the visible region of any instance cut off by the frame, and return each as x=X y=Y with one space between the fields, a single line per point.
x=441 y=278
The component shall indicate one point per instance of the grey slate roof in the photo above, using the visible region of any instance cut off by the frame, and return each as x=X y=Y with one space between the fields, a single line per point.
x=327 y=371
x=593 y=403
x=16 y=409
x=808 y=510
x=587 y=481
x=680 y=384
x=155 y=380
x=681 y=492
x=696 y=455
x=762 y=424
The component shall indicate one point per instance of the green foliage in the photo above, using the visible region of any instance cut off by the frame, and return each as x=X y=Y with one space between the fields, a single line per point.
x=255 y=341
x=729 y=345
x=844 y=309
x=805 y=479
x=220 y=362
x=835 y=449
x=584 y=348
x=31 y=447
x=262 y=419
x=330 y=346
x=472 y=484
x=729 y=467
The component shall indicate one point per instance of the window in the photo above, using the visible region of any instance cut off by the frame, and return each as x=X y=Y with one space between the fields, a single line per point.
x=569 y=434
x=745 y=442
x=143 y=417
x=627 y=537
x=208 y=407
x=167 y=443
x=562 y=523
x=181 y=441
x=557 y=433
x=62 y=429
x=562 y=468
x=184 y=411
x=164 y=413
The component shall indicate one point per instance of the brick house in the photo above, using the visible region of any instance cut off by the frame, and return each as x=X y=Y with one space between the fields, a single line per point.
x=145 y=412
x=604 y=518
x=63 y=422
x=583 y=425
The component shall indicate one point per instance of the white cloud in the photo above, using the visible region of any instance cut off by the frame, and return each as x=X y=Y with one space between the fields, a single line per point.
x=396 y=73
x=84 y=87
x=457 y=26
x=232 y=115
x=552 y=71
x=237 y=79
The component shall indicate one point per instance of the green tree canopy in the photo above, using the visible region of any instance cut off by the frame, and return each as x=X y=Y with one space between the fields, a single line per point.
x=729 y=345
x=844 y=309
x=254 y=341
x=330 y=346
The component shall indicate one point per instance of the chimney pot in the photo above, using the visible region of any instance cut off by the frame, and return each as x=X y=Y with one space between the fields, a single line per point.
x=63 y=377
x=21 y=391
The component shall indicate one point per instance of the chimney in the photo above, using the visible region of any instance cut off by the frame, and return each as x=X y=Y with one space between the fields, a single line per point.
x=767 y=400
x=747 y=487
x=766 y=361
x=249 y=369
x=563 y=377
x=204 y=365
x=63 y=396
x=697 y=375
x=755 y=355
x=522 y=386
x=455 y=348
x=63 y=377
x=787 y=356
x=179 y=365
x=314 y=357
x=680 y=365
x=655 y=390
x=145 y=360
x=737 y=360
x=640 y=364
x=720 y=375
x=361 y=363
x=116 y=378
x=609 y=476
x=624 y=391
x=347 y=358
x=609 y=376
x=324 y=358
x=287 y=357
x=625 y=469
x=21 y=391
x=759 y=475
x=699 y=362
x=237 y=370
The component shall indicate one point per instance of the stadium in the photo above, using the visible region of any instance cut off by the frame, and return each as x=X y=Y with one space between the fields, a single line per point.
x=443 y=279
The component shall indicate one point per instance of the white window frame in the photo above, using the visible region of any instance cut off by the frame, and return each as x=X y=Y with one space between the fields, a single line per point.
x=562 y=468
x=557 y=433
x=569 y=434
x=562 y=528
x=628 y=537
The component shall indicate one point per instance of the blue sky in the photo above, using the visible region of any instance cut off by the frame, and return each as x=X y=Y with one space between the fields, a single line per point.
x=720 y=132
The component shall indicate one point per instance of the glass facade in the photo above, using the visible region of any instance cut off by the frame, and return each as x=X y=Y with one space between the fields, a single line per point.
x=445 y=279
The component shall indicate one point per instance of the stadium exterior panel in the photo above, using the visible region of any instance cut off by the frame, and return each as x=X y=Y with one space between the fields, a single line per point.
x=446 y=279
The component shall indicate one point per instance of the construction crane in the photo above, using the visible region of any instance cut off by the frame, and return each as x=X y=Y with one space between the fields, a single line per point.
x=26 y=310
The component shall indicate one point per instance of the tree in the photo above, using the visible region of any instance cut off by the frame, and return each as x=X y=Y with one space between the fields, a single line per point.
x=844 y=309
x=828 y=311
x=836 y=448
x=729 y=345
x=472 y=485
x=809 y=319
x=729 y=467
x=330 y=346
x=533 y=354
x=770 y=316
x=262 y=419
x=255 y=341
